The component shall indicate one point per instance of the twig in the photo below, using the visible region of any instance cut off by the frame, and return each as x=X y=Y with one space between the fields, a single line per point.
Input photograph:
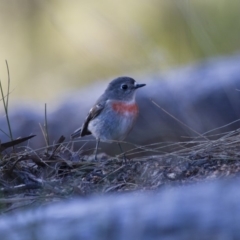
x=20 y=188
x=14 y=200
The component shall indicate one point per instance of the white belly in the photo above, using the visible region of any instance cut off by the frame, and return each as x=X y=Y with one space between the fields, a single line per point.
x=114 y=127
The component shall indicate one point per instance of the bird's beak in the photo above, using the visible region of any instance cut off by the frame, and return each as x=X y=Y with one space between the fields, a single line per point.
x=139 y=85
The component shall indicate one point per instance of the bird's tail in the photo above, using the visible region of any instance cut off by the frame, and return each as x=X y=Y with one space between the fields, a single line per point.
x=76 y=133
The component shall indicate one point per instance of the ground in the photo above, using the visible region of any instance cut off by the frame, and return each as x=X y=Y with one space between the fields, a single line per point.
x=31 y=178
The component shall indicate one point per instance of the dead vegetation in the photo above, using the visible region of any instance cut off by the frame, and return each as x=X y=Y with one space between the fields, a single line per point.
x=38 y=176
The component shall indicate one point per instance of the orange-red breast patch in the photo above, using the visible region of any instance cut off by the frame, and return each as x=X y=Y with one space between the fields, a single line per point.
x=125 y=108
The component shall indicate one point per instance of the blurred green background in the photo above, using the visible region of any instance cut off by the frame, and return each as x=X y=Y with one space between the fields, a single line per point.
x=54 y=46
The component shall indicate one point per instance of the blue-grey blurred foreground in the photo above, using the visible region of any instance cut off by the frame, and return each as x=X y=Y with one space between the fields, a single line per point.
x=199 y=211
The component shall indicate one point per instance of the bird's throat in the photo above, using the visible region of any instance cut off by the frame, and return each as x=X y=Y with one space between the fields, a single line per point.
x=125 y=108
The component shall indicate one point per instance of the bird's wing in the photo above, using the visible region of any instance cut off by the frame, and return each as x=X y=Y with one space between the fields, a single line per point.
x=94 y=112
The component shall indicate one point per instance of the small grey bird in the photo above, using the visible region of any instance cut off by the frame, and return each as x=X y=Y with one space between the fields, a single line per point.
x=114 y=114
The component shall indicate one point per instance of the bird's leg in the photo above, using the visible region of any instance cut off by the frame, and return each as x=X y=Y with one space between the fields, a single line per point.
x=96 y=150
x=124 y=156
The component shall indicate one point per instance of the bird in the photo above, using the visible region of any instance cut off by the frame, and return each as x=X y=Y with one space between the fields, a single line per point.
x=113 y=115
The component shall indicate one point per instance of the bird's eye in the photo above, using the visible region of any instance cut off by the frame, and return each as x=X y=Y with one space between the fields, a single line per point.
x=124 y=87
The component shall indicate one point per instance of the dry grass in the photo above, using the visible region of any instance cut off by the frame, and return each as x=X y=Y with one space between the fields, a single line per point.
x=40 y=176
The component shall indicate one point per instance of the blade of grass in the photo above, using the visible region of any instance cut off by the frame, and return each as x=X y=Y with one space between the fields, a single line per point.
x=44 y=129
x=8 y=90
x=44 y=134
x=4 y=132
x=5 y=104
x=46 y=126
x=178 y=120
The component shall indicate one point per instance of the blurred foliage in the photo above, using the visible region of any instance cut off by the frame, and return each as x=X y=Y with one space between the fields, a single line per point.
x=54 y=45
